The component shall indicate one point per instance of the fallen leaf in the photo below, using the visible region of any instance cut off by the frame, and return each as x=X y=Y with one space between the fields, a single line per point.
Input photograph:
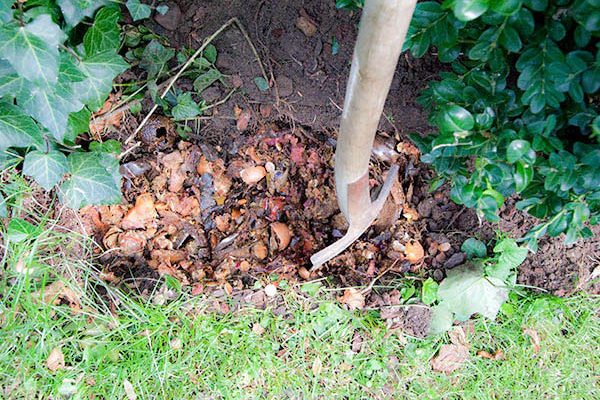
x=414 y=252
x=356 y=343
x=57 y=292
x=129 y=390
x=306 y=24
x=56 y=360
x=258 y=329
x=243 y=120
x=304 y=273
x=260 y=250
x=458 y=336
x=498 y=355
x=534 y=337
x=444 y=247
x=252 y=175
x=132 y=242
x=283 y=234
x=450 y=358
x=176 y=344
x=141 y=214
x=353 y=298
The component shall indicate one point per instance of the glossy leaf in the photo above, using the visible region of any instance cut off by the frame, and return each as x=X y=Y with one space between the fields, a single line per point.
x=17 y=129
x=138 y=10
x=104 y=34
x=46 y=168
x=467 y=10
x=473 y=248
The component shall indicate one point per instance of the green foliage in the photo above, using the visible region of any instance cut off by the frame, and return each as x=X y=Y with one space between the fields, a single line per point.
x=57 y=64
x=516 y=114
x=349 y=4
x=479 y=286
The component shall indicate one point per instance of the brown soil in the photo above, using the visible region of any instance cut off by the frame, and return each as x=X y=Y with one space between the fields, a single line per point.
x=195 y=218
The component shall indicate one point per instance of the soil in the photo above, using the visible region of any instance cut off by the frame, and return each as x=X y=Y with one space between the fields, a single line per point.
x=251 y=192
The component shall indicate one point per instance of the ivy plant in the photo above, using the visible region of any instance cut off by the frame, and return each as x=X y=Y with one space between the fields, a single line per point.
x=516 y=112
x=58 y=60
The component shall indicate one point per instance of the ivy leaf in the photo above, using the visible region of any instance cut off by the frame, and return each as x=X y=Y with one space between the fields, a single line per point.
x=99 y=70
x=19 y=230
x=467 y=10
x=90 y=182
x=206 y=79
x=32 y=50
x=75 y=10
x=162 y=9
x=78 y=122
x=467 y=291
x=6 y=12
x=429 y=291
x=104 y=34
x=46 y=168
x=138 y=10
x=10 y=82
x=17 y=129
x=155 y=57
x=473 y=248
x=441 y=319
x=186 y=107
x=510 y=256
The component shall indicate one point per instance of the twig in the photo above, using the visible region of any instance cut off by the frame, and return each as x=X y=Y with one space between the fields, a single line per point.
x=207 y=41
x=385 y=271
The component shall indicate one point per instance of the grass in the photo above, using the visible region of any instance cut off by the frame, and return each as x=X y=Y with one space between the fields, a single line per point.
x=182 y=349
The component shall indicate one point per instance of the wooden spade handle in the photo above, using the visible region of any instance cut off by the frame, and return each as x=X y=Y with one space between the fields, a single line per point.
x=381 y=34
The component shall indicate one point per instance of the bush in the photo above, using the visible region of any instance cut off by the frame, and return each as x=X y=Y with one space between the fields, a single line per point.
x=517 y=113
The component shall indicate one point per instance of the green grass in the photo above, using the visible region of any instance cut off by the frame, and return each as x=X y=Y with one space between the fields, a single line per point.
x=184 y=350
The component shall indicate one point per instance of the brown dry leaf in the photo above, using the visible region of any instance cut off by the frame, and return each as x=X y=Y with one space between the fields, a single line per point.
x=172 y=163
x=357 y=342
x=283 y=234
x=260 y=250
x=414 y=252
x=132 y=242
x=258 y=329
x=410 y=213
x=450 y=358
x=252 y=175
x=535 y=338
x=498 y=355
x=444 y=247
x=141 y=214
x=317 y=366
x=102 y=119
x=458 y=336
x=306 y=24
x=304 y=273
x=222 y=222
x=353 y=298
x=243 y=120
x=58 y=291
x=56 y=360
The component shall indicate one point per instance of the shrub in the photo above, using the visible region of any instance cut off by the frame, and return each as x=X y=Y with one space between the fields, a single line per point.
x=517 y=111
x=58 y=60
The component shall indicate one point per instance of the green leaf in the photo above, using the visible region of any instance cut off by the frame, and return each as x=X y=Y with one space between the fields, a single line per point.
x=536 y=5
x=99 y=70
x=441 y=319
x=186 y=107
x=505 y=7
x=6 y=11
x=46 y=168
x=51 y=105
x=210 y=53
x=162 y=9
x=261 y=83
x=456 y=119
x=523 y=176
x=104 y=34
x=78 y=122
x=3 y=208
x=473 y=248
x=429 y=292
x=206 y=79
x=76 y=10
x=518 y=150
x=467 y=291
x=32 y=50
x=19 y=230
x=17 y=129
x=90 y=182
x=510 y=40
x=558 y=226
x=155 y=57
x=467 y=10
x=510 y=256
x=138 y=10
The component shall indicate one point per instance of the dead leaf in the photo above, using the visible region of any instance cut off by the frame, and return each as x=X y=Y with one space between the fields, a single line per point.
x=458 y=336
x=304 y=273
x=356 y=343
x=283 y=234
x=444 y=247
x=306 y=24
x=141 y=214
x=252 y=175
x=132 y=242
x=57 y=292
x=450 y=358
x=258 y=329
x=129 y=390
x=498 y=355
x=414 y=252
x=535 y=338
x=243 y=120
x=260 y=250
x=105 y=118
x=56 y=360
x=353 y=298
